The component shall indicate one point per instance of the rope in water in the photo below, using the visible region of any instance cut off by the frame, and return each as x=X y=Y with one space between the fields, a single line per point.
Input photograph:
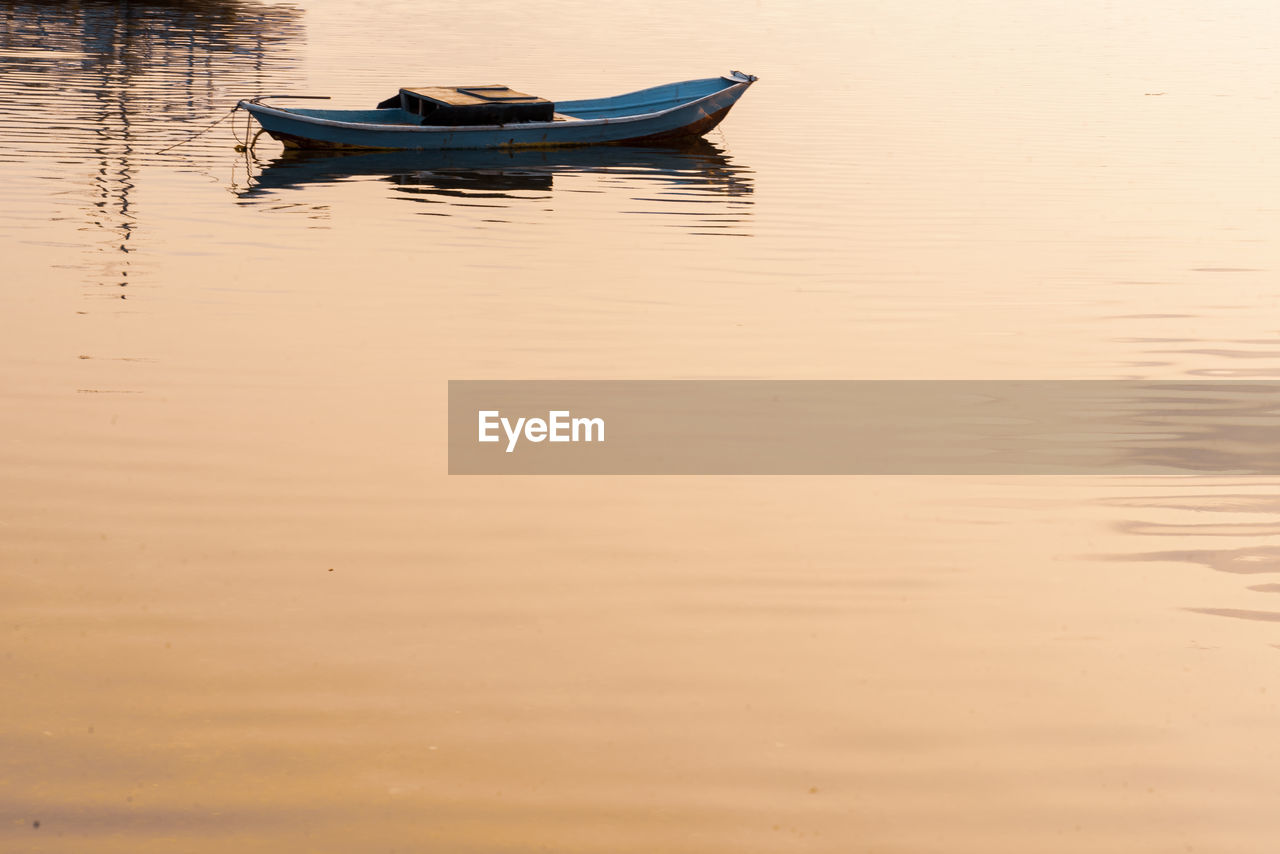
x=203 y=132
x=248 y=142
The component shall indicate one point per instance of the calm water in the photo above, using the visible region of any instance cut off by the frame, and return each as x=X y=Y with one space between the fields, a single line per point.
x=242 y=606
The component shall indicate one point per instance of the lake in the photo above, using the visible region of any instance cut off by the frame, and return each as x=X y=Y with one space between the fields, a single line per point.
x=245 y=607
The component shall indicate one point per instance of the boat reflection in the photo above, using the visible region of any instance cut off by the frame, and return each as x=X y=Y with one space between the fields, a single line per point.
x=668 y=179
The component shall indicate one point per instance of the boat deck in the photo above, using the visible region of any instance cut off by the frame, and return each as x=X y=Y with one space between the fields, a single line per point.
x=653 y=100
x=392 y=116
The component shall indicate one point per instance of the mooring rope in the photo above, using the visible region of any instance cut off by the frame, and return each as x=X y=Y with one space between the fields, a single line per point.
x=248 y=142
x=203 y=132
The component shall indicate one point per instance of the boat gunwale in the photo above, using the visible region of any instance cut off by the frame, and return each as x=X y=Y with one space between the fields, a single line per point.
x=252 y=104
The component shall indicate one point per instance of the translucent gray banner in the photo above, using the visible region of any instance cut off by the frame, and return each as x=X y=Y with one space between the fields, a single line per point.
x=864 y=427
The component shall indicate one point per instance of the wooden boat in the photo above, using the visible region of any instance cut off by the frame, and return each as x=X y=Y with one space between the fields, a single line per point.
x=474 y=117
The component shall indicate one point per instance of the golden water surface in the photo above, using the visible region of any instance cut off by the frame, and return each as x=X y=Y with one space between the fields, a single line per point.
x=244 y=608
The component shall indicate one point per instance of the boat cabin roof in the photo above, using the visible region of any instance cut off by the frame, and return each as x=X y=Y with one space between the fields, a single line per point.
x=469 y=96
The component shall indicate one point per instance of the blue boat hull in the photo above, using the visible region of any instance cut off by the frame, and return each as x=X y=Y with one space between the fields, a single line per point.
x=663 y=113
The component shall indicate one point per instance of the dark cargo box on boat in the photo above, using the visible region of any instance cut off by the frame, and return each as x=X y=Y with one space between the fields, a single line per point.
x=474 y=105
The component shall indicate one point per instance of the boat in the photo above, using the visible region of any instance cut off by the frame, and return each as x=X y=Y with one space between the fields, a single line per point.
x=439 y=118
